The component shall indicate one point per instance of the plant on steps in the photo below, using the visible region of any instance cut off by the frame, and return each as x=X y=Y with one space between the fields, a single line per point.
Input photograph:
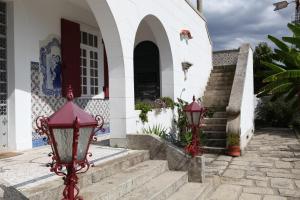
x=233 y=141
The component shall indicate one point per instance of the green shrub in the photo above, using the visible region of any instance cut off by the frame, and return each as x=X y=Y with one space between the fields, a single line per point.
x=278 y=113
x=233 y=139
x=168 y=101
x=144 y=108
x=158 y=130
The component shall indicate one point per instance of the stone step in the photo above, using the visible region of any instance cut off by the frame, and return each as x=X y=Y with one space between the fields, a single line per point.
x=217 y=93
x=160 y=187
x=214 y=150
x=53 y=189
x=210 y=98
x=214 y=127
x=231 y=68
x=126 y=181
x=216 y=143
x=219 y=113
x=220 y=78
x=218 y=83
x=218 y=87
x=214 y=102
x=191 y=191
x=215 y=121
x=221 y=74
x=215 y=134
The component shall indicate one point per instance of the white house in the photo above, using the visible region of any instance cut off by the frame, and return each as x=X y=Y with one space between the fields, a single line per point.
x=111 y=52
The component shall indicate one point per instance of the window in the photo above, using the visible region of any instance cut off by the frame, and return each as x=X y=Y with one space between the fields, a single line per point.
x=89 y=64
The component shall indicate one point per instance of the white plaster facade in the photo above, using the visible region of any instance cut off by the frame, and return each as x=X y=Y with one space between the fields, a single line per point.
x=248 y=104
x=122 y=25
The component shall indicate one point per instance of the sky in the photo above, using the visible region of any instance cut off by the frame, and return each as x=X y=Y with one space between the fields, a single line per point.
x=233 y=22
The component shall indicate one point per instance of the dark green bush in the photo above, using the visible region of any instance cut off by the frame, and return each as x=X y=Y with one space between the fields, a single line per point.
x=278 y=113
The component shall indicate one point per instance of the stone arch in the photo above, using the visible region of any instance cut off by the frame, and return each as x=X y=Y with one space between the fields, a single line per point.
x=152 y=29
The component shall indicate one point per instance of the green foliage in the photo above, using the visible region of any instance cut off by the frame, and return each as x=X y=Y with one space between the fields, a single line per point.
x=158 y=130
x=233 y=139
x=262 y=53
x=283 y=77
x=169 y=102
x=144 y=108
x=181 y=122
x=278 y=113
x=188 y=138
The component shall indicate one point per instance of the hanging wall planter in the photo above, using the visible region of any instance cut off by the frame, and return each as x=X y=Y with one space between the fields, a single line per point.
x=185 y=67
x=185 y=35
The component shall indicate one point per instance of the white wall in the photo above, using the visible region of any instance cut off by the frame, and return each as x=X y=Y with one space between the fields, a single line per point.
x=248 y=101
x=174 y=15
x=118 y=20
x=163 y=118
x=33 y=21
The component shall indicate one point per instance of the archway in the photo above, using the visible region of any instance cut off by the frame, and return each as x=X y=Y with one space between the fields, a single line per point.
x=152 y=35
x=146 y=71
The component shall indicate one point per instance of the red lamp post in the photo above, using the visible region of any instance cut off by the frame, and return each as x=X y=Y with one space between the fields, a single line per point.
x=194 y=113
x=70 y=131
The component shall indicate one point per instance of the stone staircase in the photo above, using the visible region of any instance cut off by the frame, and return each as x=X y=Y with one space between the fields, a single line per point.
x=216 y=98
x=130 y=177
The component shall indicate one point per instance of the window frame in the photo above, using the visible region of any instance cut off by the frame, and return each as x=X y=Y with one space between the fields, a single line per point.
x=96 y=32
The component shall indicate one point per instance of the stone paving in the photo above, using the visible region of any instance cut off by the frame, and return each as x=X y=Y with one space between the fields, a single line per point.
x=268 y=170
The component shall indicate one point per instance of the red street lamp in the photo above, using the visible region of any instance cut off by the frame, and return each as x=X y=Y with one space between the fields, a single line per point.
x=70 y=131
x=194 y=113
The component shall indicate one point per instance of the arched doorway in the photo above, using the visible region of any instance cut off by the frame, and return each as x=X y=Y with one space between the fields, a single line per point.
x=153 y=61
x=146 y=71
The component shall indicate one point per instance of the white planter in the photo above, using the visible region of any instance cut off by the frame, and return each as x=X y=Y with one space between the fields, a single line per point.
x=163 y=117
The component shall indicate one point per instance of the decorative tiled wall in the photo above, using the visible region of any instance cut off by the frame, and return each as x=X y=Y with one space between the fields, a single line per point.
x=225 y=58
x=47 y=105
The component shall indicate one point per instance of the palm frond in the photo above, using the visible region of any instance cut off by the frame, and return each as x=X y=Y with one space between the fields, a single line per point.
x=295 y=28
x=273 y=67
x=281 y=45
x=292 y=40
x=294 y=74
x=282 y=88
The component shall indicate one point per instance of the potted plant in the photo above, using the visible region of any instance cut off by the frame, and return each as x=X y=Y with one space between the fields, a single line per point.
x=233 y=145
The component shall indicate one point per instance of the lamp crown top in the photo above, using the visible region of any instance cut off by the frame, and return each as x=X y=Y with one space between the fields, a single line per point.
x=194 y=98
x=70 y=95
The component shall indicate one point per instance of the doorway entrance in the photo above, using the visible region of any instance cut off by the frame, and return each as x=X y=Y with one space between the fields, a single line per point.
x=3 y=79
x=146 y=71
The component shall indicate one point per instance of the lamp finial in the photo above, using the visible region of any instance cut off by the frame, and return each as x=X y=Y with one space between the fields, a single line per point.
x=194 y=98
x=70 y=95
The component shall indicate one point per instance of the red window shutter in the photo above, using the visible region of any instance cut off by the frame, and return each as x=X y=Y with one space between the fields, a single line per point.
x=70 y=51
x=106 y=77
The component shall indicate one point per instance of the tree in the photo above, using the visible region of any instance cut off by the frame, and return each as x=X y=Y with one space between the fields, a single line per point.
x=262 y=53
x=284 y=79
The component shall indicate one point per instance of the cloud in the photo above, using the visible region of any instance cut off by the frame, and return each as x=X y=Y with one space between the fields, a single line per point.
x=232 y=22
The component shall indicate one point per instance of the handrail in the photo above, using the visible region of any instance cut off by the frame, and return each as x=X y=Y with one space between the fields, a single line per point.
x=236 y=97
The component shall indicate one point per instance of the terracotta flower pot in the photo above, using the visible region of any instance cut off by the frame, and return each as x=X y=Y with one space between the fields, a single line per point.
x=234 y=151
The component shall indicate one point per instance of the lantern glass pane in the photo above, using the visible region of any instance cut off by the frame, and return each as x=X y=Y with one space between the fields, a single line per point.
x=189 y=117
x=64 y=144
x=196 y=118
x=83 y=142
